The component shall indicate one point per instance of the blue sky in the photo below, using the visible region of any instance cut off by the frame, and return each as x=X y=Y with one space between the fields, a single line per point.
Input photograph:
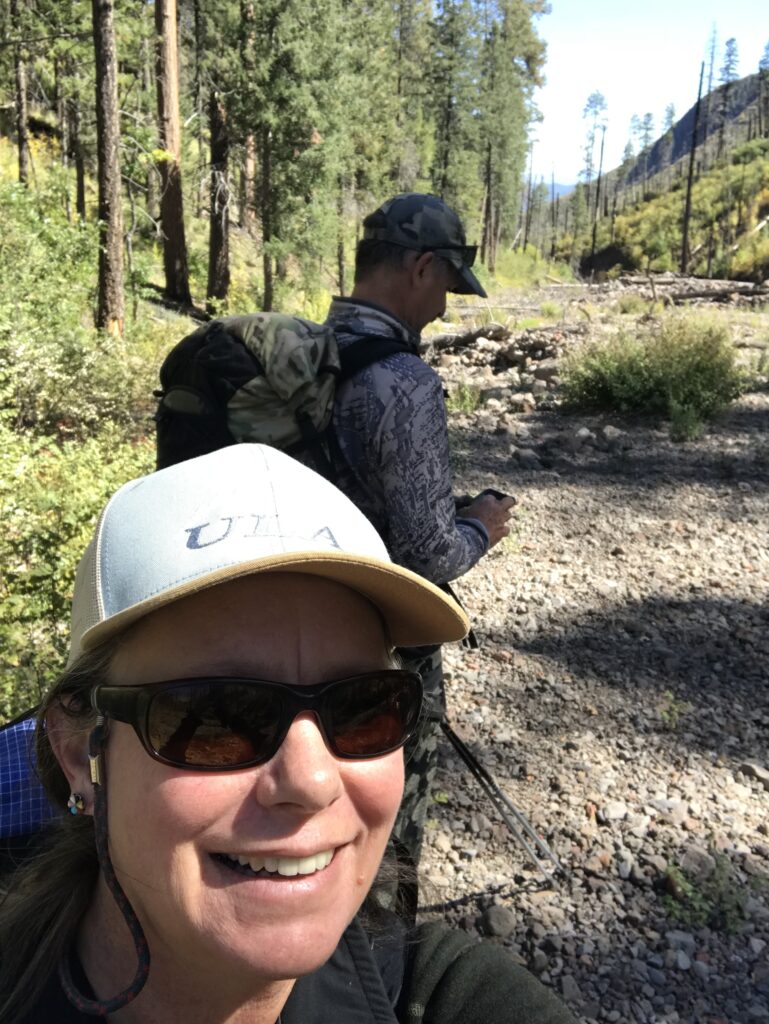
x=640 y=56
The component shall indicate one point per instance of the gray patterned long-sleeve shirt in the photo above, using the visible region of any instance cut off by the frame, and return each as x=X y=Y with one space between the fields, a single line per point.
x=390 y=424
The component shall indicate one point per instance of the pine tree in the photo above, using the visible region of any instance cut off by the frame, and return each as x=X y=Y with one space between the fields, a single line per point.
x=763 y=94
x=110 y=311
x=728 y=76
x=455 y=77
x=511 y=67
x=595 y=115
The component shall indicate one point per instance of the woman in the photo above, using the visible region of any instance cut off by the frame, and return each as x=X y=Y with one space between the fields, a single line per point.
x=227 y=738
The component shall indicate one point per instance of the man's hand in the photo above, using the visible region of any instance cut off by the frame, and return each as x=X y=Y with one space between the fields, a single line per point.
x=493 y=512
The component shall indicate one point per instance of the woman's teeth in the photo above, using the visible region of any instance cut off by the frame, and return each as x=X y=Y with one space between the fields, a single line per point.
x=286 y=866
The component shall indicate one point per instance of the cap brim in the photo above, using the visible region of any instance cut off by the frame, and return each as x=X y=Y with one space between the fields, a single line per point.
x=468 y=283
x=415 y=611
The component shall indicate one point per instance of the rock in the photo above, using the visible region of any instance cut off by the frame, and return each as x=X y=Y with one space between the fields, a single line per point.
x=683 y=963
x=756 y=771
x=498 y=921
x=570 y=990
x=698 y=863
x=614 y=811
x=546 y=370
x=528 y=458
x=679 y=940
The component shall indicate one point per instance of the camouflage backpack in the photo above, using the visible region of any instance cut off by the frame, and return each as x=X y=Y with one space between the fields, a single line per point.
x=265 y=377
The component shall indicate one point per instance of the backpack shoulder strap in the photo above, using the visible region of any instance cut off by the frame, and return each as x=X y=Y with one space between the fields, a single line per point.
x=365 y=351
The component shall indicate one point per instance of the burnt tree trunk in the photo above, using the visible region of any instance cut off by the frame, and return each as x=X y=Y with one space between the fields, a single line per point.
x=219 y=212
x=110 y=309
x=171 y=200
x=690 y=180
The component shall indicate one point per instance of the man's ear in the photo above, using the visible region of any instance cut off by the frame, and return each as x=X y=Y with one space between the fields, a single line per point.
x=421 y=268
x=68 y=737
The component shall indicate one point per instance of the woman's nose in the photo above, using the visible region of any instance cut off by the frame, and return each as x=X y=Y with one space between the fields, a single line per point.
x=303 y=773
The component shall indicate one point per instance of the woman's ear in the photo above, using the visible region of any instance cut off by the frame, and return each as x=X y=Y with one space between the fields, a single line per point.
x=68 y=737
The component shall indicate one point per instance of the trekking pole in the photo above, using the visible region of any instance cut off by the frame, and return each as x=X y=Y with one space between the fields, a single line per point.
x=512 y=817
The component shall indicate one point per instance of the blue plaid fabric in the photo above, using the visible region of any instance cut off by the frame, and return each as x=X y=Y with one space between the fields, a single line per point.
x=24 y=807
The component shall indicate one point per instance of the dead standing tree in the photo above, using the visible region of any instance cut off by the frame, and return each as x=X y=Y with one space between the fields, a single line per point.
x=169 y=130
x=110 y=309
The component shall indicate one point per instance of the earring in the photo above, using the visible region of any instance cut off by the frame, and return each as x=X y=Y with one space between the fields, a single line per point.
x=76 y=804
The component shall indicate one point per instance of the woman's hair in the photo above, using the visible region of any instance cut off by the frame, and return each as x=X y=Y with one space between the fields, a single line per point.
x=42 y=902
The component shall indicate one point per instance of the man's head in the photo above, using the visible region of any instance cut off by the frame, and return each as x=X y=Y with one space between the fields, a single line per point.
x=412 y=252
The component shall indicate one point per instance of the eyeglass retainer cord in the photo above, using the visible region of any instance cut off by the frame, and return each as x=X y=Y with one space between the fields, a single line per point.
x=93 y=1007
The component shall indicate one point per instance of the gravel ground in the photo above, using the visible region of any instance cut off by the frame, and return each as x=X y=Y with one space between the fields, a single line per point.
x=619 y=697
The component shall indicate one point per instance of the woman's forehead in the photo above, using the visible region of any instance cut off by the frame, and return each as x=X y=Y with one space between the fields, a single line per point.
x=269 y=626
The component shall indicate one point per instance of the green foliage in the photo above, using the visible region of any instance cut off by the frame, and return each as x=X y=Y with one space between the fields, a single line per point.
x=671 y=709
x=57 y=376
x=684 y=367
x=50 y=495
x=463 y=398
x=717 y=901
x=551 y=311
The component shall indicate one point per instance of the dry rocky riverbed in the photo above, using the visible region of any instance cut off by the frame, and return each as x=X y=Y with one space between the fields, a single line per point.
x=620 y=695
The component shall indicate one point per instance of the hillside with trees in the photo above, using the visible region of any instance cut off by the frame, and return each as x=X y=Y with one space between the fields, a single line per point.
x=695 y=199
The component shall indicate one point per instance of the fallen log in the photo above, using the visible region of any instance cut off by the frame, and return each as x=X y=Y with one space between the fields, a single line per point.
x=719 y=295
x=439 y=342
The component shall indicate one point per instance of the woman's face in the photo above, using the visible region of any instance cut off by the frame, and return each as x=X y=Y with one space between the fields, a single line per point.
x=177 y=836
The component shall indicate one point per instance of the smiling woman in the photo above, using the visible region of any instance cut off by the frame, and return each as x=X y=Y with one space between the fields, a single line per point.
x=228 y=739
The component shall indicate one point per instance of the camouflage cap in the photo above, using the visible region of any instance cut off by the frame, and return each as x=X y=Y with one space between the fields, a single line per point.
x=425 y=223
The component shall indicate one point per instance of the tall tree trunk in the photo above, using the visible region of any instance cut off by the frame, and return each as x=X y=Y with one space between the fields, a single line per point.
x=152 y=197
x=75 y=126
x=487 y=205
x=597 y=201
x=267 y=219
x=248 y=201
x=690 y=180
x=219 y=213
x=110 y=310
x=171 y=200
x=20 y=69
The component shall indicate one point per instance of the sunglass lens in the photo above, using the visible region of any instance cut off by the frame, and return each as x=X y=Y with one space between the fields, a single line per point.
x=371 y=716
x=216 y=725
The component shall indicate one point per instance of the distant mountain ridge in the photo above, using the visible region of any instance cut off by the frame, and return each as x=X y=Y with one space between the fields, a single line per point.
x=677 y=142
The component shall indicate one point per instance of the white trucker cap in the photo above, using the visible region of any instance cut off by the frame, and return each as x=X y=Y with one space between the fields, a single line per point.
x=241 y=510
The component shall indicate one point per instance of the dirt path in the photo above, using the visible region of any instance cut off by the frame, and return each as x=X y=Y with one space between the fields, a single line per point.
x=620 y=697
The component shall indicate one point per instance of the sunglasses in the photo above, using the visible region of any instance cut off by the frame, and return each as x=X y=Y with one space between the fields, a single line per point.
x=466 y=253
x=222 y=724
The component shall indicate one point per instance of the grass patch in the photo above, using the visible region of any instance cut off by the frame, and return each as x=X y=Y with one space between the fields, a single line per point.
x=683 y=369
x=551 y=311
x=717 y=901
x=464 y=398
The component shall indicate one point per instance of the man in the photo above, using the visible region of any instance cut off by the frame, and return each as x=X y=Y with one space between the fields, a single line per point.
x=391 y=434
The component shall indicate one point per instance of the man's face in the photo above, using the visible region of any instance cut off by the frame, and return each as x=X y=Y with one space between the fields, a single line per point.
x=433 y=277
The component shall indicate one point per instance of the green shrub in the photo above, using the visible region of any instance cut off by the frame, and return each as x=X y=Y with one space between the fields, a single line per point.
x=717 y=901
x=632 y=303
x=58 y=376
x=463 y=398
x=683 y=368
x=50 y=495
x=551 y=311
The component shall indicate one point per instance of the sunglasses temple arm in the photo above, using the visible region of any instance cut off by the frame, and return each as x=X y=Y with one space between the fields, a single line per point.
x=509 y=813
